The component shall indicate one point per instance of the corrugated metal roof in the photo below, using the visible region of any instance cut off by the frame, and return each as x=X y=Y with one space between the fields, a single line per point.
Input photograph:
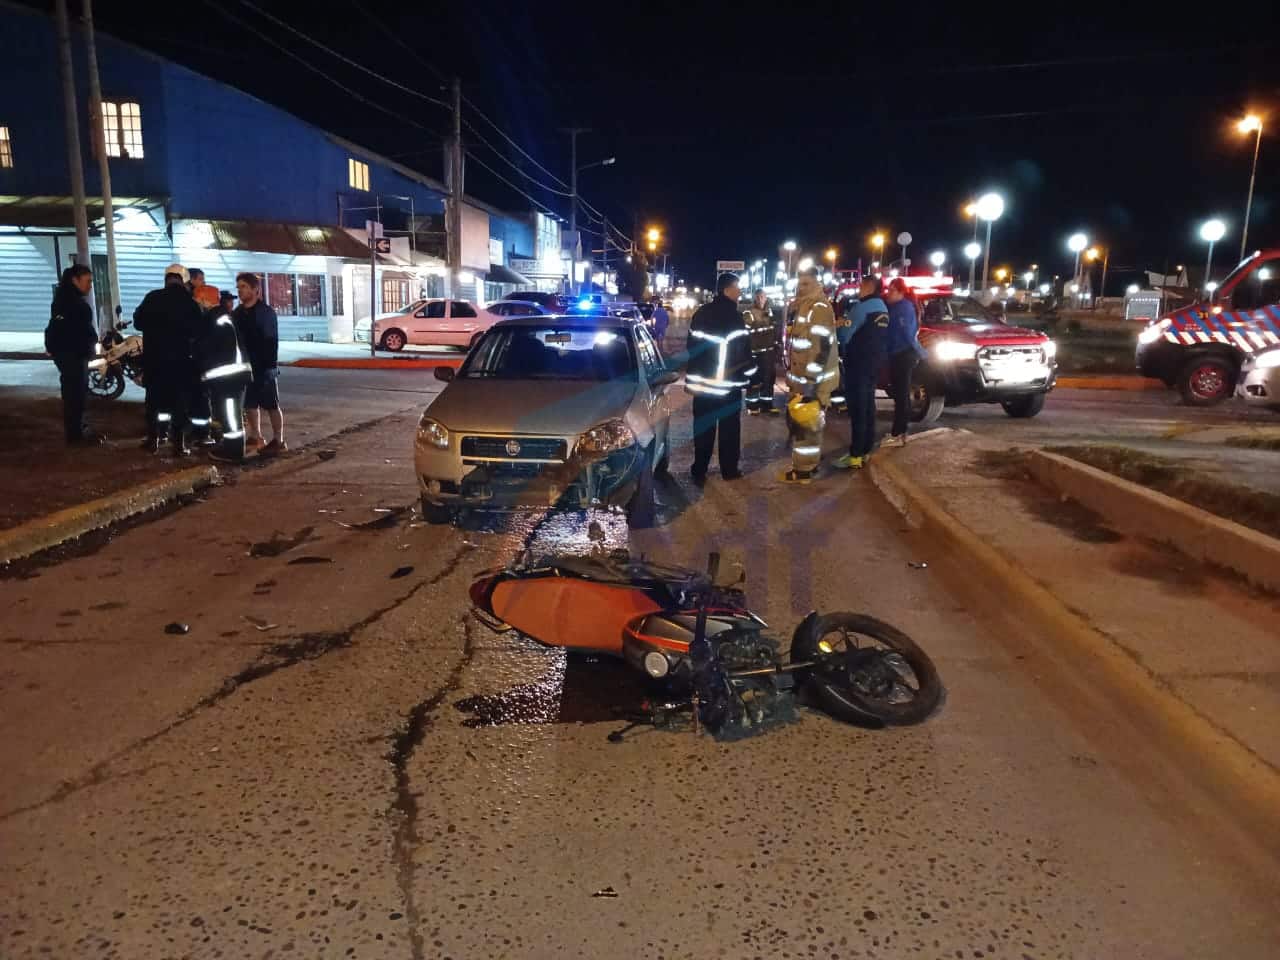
x=57 y=212
x=289 y=238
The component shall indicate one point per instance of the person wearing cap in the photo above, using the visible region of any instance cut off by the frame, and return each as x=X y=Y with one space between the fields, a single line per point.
x=864 y=354
x=764 y=334
x=200 y=412
x=169 y=322
x=205 y=296
x=660 y=320
x=719 y=367
x=813 y=364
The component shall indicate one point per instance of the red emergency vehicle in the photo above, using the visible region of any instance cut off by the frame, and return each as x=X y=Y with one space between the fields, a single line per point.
x=1199 y=349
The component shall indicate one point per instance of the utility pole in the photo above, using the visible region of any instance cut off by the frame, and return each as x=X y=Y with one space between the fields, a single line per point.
x=454 y=226
x=604 y=255
x=98 y=136
x=573 y=202
x=1102 y=288
x=71 y=125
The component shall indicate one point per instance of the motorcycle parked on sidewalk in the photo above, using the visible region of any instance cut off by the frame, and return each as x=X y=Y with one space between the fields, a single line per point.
x=706 y=648
x=119 y=356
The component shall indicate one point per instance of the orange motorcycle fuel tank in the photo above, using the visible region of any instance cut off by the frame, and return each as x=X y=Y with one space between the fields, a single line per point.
x=565 y=611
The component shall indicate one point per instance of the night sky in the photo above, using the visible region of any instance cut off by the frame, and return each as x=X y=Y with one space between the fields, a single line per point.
x=735 y=130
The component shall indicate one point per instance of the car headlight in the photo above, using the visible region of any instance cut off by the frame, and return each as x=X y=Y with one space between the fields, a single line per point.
x=1265 y=361
x=433 y=432
x=1153 y=332
x=607 y=437
x=1050 y=349
x=955 y=350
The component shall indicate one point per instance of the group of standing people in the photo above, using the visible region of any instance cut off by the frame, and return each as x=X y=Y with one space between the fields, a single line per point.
x=205 y=361
x=732 y=354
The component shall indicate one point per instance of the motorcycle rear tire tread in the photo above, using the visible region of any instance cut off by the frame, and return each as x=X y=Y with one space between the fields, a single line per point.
x=842 y=703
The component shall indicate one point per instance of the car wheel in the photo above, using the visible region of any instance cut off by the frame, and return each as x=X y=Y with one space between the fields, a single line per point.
x=437 y=513
x=1023 y=407
x=926 y=401
x=393 y=340
x=1206 y=381
x=642 y=508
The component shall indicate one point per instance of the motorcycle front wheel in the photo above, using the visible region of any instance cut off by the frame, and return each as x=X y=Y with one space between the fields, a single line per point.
x=867 y=671
x=107 y=384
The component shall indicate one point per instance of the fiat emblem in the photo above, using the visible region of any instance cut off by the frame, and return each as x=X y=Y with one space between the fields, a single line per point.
x=513 y=448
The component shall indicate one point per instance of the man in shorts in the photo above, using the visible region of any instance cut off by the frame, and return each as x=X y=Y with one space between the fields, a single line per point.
x=259 y=332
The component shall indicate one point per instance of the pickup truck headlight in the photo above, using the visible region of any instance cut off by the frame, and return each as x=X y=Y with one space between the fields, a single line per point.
x=1265 y=361
x=433 y=433
x=1050 y=349
x=955 y=350
x=1153 y=332
x=607 y=437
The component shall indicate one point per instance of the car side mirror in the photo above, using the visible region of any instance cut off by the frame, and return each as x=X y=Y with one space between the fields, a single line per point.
x=446 y=374
x=665 y=378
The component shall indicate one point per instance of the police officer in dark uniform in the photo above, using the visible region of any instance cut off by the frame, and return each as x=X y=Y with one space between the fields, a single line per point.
x=169 y=322
x=71 y=339
x=720 y=366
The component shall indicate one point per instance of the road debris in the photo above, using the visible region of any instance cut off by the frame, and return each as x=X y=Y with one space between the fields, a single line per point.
x=917 y=565
x=177 y=629
x=401 y=572
x=326 y=454
x=307 y=559
x=258 y=623
x=607 y=893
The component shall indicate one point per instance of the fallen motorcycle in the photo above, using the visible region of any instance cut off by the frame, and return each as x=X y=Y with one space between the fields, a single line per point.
x=118 y=357
x=707 y=649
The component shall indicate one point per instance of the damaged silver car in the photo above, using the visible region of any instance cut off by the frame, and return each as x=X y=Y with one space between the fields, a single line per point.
x=552 y=411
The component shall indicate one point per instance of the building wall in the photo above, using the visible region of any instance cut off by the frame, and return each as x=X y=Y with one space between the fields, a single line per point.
x=515 y=232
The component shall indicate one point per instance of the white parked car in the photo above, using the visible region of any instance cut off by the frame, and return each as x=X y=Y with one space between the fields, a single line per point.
x=429 y=323
x=1259 y=382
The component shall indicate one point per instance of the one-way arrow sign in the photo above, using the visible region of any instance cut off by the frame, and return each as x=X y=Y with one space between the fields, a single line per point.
x=380 y=244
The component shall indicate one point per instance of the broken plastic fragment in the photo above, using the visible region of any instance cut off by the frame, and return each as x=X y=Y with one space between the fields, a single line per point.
x=177 y=629
x=607 y=892
x=306 y=559
x=401 y=572
x=917 y=565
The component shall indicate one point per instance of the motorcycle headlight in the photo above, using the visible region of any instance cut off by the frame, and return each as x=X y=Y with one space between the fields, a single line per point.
x=1265 y=361
x=955 y=350
x=607 y=437
x=433 y=432
x=1153 y=332
x=1050 y=349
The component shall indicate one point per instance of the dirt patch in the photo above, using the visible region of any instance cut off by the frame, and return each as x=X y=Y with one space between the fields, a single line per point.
x=1251 y=442
x=1175 y=572
x=1010 y=466
x=1251 y=508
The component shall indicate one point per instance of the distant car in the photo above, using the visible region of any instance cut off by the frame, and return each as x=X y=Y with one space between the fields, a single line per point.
x=550 y=302
x=1259 y=383
x=549 y=411
x=502 y=309
x=434 y=323
x=623 y=309
x=362 y=325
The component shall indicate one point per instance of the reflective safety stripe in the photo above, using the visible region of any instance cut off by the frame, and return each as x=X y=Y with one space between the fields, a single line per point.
x=813 y=368
x=232 y=434
x=163 y=417
x=820 y=330
x=227 y=370
x=826 y=376
x=807 y=451
x=801 y=343
x=837 y=398
x=751 y=372
x=199 y=422
x=99 y=364
x=703 y=388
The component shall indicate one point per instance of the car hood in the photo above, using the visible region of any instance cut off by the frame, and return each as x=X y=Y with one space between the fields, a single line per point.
x=985 y=333
x=551 y=407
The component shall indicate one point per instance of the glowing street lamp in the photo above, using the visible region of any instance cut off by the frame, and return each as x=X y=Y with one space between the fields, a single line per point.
x=1027 y=278
x=790 y=247
x=877 y=241
x=971 y=250
x=1250 y=124
x=830 y=256
x=654 y=235
x=938 y=258
x=990 y=207
x=806 y=263
x=1076 y=243
x=1211 y=231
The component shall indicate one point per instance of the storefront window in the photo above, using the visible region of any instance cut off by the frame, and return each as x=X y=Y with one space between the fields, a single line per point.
x=492 y=292
x=310 y=295
x=338 y=304
x=280 y=294
x=395 y=295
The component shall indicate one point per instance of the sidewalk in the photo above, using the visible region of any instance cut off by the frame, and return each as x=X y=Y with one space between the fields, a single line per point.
x=1204 y=638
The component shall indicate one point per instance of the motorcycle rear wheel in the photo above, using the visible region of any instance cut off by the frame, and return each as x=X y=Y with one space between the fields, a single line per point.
x=867 y=671
x=107 y=384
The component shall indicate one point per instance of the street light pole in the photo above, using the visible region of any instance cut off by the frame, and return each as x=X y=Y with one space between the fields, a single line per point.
x=1248 y=205
x=573 y=203
x=986 y=255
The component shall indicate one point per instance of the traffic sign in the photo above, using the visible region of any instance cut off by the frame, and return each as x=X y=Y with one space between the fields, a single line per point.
x=730 y=266
x=380 y=244
x=904 y=239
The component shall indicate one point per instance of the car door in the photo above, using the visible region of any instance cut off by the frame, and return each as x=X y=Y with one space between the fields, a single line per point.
x=426 y=320
x=658 y=406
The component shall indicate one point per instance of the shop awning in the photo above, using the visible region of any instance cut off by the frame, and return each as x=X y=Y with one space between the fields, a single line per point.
x=53 y=213
x=500 y=274
x=287 y=238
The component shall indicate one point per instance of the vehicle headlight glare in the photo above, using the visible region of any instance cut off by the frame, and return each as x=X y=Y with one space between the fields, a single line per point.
x=955 y=350
x=607 y=437
x=433 y=432
x=1153 y=332
x=1265 y=361
x=1050 y=349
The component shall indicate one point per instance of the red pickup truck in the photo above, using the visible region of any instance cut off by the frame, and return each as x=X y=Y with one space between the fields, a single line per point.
x=975 y=356
x=1198 y=350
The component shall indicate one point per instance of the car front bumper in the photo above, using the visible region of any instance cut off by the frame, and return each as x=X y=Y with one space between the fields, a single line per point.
x=447 y=478
x=967 y=382
x=1259 y=386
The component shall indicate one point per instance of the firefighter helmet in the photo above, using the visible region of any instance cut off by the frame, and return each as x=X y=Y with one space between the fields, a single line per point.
x=805 y=414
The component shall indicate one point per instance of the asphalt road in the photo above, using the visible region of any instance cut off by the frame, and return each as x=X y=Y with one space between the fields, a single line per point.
x=337 y=761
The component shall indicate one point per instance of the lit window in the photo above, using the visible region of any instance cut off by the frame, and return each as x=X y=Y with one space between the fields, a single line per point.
x=6 y=150
x=339 y=304
x=122 y=129
x=358 y=174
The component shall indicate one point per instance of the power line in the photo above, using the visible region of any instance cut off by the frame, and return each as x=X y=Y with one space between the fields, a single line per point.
x=517 y=189
x=313 y=68
x=513 y=165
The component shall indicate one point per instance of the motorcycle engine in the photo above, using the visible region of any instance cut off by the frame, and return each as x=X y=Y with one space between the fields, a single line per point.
x=736 y=707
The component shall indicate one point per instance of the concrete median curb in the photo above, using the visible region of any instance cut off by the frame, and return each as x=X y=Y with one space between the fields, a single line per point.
x=59 y=527
x=1125 y=383
x=1248 y=785
x=1135 y=509
x=376 y=363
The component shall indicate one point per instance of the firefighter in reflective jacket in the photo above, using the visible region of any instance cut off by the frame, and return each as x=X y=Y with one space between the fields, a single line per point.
x=763 y=331
x=813 y=365
x=720 y=366
x=225 y=376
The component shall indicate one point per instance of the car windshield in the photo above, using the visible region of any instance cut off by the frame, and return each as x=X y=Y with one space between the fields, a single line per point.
x=970 y=311
x=562 y=352
x=405 y=311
